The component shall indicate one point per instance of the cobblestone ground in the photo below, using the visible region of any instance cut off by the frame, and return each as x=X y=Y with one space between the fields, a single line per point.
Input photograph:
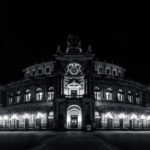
x=75 y=140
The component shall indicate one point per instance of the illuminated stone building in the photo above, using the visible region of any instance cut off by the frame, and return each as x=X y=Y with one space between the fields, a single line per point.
x=74 y=90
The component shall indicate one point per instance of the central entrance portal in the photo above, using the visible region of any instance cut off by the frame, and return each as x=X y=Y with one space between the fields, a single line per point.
x=74 y=117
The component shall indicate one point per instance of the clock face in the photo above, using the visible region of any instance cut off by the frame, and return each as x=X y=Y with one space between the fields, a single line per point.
x=74 y=69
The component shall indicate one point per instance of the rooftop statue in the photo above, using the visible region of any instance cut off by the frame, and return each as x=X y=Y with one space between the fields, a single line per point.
x=74 y=44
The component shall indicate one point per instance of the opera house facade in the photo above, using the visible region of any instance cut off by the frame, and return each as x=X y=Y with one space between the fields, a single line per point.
x=74 y=91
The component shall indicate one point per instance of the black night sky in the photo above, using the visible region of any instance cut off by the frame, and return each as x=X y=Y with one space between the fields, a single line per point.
x=31 y=31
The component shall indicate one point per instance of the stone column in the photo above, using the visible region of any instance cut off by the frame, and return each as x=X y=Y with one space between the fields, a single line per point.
x=126 y=96
x=22 y=90
x=103 y=93
x=115 y=95
x=45 y=94
x=33 y=92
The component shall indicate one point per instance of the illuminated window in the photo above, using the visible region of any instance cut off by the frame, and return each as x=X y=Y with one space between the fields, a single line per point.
x=108 y=94
x=97 y=93
x=130 y=97
x=18 y=96
x=51 y=115
x=50 y=94
x=108 y=115
x=120 y=95
x=10 y=99
x=27 y=95
x=137 y=98
x=39 y=94
x=97 y=115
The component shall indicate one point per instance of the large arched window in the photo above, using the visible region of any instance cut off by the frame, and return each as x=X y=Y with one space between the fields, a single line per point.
x=137 y=98
x=130 y=97
x=51 y=115
x=97 y=93
x=39 y=94
x=50 y=94
x=109 y=94
x=10 y=98
x=74 y=69
x=18 y=96
x=120 y=95
x=27 y=95
x=97 y=115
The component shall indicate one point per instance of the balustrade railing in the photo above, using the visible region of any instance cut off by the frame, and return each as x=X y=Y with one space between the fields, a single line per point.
x=73 y=96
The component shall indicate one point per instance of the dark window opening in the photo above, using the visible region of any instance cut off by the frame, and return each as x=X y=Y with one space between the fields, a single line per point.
x=47 y=70
x=28 y=75
x=108 y=71
x=40 y=71
x=33 y=73
x=114 y=72
x=100 y=70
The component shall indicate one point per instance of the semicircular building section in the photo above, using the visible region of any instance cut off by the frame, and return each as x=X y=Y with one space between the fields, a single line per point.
x=73 y=90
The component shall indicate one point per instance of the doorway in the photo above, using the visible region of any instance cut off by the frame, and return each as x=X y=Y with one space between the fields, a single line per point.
x=121 y=123
x=130 y=124
x=109 y=123
x=38 y=123
x=74 y=117
x=74 y=121
x=74 y=93
x=26 y=123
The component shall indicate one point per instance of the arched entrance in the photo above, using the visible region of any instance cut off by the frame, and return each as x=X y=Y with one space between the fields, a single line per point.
x=74 y=117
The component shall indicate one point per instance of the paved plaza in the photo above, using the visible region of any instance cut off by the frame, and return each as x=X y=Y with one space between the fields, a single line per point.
x=74 y=140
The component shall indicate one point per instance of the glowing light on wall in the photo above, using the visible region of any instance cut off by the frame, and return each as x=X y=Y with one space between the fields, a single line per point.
x=121 y=116
x=39 y=115
x=5 y=117
x=0 y=118
x=26 y=116
x=97 y=116
x=148 y=118
x=109 y=115
x=80 y=120
x=14 y=116
x=133 y=116
x=142 y=117
x=68 y=120
x=51 y=115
